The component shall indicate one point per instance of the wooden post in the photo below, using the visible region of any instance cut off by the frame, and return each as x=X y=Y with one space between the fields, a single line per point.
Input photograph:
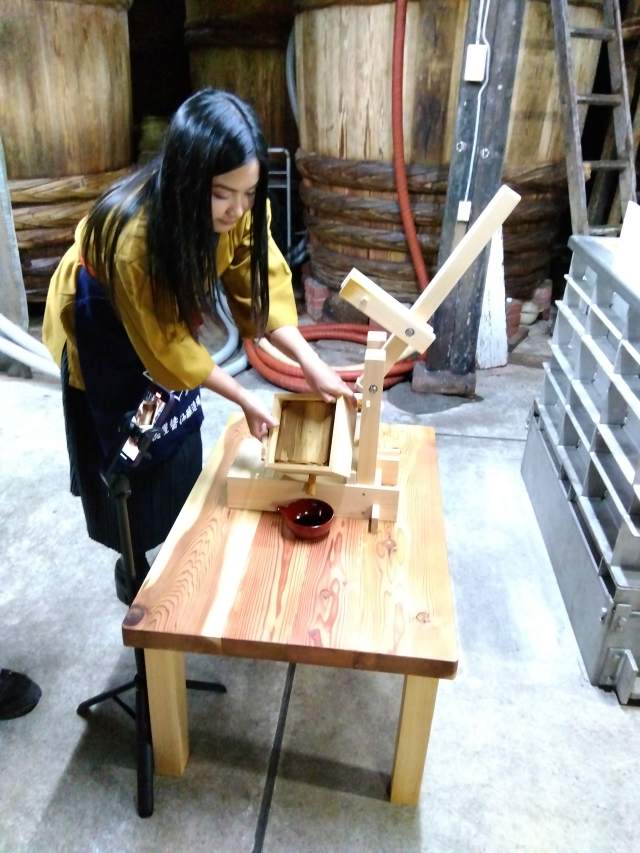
x=412 y=740
x=166 y=686
x=372 y=382
x=451 y=359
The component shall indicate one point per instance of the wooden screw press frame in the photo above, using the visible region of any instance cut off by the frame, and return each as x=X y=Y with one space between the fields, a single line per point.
x=337 y=459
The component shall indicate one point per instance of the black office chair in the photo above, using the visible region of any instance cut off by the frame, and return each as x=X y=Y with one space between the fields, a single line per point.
x=135 y=572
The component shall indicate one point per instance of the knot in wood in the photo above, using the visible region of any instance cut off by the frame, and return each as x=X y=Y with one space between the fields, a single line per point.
x=134 y=616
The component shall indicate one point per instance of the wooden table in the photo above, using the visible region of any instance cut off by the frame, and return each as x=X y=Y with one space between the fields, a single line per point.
x=235 y=582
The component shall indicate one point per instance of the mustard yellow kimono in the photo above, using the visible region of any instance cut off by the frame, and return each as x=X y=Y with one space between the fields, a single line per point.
x=171 y=355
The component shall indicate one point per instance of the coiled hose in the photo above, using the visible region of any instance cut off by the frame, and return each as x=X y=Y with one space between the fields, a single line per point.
x=286 y=374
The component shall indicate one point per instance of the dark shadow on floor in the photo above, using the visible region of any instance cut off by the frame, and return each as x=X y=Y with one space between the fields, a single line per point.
x=334 y=775
x=404 y=398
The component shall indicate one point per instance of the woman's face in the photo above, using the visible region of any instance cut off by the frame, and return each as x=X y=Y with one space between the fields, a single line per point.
x=232 y=194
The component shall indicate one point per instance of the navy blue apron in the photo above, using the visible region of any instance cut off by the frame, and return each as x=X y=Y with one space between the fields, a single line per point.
x=115 y=379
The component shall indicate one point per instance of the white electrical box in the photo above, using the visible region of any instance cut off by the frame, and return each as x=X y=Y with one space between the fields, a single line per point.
x=464 y=211
x=476 y=63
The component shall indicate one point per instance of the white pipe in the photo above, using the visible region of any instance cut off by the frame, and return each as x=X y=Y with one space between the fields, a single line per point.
x=30 y=358
x=27 y=350
x=231 y=345
x=237 y=365
x=290 y=74
x=10 y=330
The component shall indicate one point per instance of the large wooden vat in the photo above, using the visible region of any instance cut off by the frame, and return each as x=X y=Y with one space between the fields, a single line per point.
x=241 y=47
x=346 y=138
x=65 y=117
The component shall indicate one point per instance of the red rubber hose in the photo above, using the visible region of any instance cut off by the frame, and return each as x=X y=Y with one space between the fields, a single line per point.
x=399 y=166
x=346 y=373
x=293 y=383
x=291 y=376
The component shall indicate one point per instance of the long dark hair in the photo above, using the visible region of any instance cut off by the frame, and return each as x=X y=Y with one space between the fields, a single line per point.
x=212 y=133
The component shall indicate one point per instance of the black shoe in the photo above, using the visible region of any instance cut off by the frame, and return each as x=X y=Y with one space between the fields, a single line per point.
x=18 y=694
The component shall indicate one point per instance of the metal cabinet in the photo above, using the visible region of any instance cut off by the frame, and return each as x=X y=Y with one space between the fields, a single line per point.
x=581 y=463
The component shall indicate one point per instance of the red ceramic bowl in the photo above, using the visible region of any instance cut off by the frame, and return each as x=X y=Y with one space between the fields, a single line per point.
x=307 y=518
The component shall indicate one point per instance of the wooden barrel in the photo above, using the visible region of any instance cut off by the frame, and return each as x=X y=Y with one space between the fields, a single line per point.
x=241 y=47
x=64 y=67
x=346 y=147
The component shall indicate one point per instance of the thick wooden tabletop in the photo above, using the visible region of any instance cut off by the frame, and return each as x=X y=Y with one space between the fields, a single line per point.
x=236 y=582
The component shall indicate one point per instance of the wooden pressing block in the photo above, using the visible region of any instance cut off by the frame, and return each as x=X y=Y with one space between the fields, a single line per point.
x=252 y=485
x=313 y=437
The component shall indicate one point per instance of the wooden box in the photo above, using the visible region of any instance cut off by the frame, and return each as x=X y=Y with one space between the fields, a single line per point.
x=312 y=436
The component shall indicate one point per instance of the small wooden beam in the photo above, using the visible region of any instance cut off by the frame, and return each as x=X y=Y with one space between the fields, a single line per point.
x=374 y=519
x=372 y=382
x=376 y=339
x=310 y=486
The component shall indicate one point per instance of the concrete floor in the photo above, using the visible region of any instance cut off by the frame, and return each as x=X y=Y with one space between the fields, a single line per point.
x=525 y=754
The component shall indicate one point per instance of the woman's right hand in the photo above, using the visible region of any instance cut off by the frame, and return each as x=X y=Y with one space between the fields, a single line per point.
x=259 y=420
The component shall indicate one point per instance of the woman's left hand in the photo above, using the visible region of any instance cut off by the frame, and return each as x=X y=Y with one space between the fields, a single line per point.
x=324 y=381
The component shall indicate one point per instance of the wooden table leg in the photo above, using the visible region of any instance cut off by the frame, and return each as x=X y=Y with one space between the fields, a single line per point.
x=166 y=686
x=414 y=726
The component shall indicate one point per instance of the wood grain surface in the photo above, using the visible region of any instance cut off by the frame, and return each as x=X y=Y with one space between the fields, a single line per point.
x=305 y=432
x=235 y=582
x=66 y=66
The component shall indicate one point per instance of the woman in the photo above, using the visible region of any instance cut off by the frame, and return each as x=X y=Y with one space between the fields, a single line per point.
x=128 y=298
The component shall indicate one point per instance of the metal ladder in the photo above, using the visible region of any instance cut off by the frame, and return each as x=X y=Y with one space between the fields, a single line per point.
x=622 y=163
